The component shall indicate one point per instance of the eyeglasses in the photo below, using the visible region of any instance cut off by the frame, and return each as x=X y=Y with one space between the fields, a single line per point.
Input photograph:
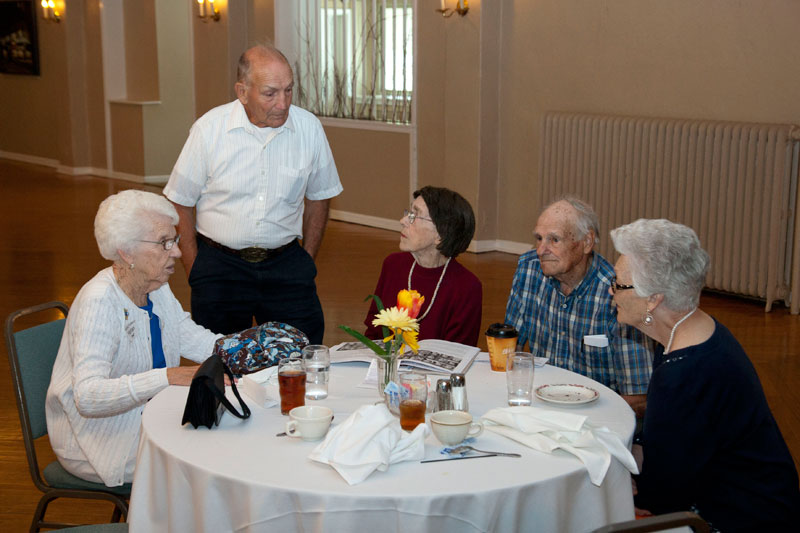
x=413 y=216
x=617 y=287
x=167 y=244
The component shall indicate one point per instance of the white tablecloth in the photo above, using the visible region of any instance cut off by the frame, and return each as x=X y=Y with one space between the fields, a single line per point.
x=241 y=477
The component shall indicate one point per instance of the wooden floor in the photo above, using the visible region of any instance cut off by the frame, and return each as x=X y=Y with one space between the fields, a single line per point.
x=47 y=252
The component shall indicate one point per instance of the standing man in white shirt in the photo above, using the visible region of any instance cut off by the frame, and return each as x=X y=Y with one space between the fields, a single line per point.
x=254 y=176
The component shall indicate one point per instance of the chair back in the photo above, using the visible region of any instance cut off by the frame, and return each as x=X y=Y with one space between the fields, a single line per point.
x=31 y=354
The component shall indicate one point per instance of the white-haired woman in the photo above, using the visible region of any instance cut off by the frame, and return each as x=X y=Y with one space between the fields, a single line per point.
x=710 y=442
x=122 y=341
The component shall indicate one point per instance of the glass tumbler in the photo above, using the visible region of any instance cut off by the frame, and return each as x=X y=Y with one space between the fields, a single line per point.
x=291 y=383
x=519 y=378
x=317 y=360
x=414 y=400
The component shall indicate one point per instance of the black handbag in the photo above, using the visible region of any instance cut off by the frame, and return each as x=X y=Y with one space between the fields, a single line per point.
x=206 y=401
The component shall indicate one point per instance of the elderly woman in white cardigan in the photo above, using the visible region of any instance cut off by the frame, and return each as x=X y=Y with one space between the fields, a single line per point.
x=122 y=342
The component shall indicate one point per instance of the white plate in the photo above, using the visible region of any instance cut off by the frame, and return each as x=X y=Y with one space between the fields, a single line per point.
x=566 y=394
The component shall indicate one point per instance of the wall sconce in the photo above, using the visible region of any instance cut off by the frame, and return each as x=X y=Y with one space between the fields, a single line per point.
x=462 y=7
x=49 y=11
x=208 y=10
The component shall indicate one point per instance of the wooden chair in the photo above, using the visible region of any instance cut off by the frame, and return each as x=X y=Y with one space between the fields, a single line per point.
x=31 y=354
x=658 y=523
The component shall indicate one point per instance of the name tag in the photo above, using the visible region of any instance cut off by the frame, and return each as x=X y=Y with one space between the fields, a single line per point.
x=600 y=341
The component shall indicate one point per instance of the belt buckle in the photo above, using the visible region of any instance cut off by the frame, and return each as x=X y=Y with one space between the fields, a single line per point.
x=253 y=254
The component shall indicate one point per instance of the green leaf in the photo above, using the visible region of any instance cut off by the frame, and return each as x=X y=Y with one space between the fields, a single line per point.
x=376 y=299
x=371 y=345
x=379 y=304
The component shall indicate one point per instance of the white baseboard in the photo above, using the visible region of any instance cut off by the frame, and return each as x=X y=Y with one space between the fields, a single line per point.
x=32 y=159
x=366 y=220
x=391 y=224
x=158 y=179
x=497 y=245
x=511 y=247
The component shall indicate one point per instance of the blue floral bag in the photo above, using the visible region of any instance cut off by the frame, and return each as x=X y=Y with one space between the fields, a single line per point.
x=260 y=347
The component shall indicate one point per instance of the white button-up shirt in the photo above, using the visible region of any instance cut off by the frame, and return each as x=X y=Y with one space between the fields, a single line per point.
x=248 y=183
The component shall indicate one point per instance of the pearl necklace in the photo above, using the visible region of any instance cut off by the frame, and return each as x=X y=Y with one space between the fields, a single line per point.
x=678 y=323
x=435 y=292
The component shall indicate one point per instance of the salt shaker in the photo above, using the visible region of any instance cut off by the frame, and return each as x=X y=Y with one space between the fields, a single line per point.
x=443 y=397
x=458 y=392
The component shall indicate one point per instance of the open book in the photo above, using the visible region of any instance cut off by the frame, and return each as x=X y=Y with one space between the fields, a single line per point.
x=433 y=356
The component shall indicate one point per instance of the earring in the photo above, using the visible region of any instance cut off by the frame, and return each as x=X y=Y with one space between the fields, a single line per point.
x=647 y=319
x=131 y=266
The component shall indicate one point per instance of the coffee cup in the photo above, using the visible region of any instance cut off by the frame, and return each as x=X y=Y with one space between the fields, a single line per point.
x=452 y=427
x=309 y=422
x=502 y=341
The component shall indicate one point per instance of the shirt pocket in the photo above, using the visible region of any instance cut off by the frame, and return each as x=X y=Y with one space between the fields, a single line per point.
x=291 y=186
x=598 y=363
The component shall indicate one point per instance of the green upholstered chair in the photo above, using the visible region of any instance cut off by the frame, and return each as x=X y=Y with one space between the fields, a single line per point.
x=98 y=528
x=31 y=354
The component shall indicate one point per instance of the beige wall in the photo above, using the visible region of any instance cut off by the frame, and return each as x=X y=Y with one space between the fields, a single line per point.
x=685 y=58
x=93 y=83
x=31 y=105
x=141 y=50
x=127 y=139
x=167 y=124
x=211 y=64
x=484 y=82
x=374 y=168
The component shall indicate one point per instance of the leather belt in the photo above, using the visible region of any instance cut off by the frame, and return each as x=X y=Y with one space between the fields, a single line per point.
x=253 y=254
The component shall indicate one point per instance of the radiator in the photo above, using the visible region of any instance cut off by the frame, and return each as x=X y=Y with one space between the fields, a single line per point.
x=734 y=183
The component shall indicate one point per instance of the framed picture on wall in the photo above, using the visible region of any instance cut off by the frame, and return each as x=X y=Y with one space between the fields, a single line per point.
x=19 y=45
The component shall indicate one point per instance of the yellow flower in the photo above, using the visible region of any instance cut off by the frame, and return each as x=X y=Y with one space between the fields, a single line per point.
x=402 y=326
x=410 y=339
x=396 y=319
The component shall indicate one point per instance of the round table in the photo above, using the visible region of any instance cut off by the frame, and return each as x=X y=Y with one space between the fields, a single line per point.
x=240 y=476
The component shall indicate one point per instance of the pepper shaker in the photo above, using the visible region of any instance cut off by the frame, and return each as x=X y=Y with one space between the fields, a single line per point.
x=444 y=400
x=458 y=391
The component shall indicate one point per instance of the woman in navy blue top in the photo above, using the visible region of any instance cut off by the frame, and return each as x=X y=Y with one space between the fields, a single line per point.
x=710 y=443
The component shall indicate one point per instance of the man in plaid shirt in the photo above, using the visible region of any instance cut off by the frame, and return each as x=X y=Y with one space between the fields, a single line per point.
x=561 y=293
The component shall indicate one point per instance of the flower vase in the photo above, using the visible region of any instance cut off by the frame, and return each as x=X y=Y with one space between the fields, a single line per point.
x=387 y=372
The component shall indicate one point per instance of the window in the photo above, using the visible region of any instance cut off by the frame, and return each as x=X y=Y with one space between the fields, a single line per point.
x=354 y=58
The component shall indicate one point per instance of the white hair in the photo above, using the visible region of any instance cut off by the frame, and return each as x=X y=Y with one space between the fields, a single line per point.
x=665 y=258
x=585 y=218
x=127 y=217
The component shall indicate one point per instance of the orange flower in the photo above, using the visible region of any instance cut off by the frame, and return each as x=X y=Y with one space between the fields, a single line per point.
x=411 y=301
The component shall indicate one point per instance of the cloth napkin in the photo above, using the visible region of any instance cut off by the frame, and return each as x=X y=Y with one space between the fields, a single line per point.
x=370 y=439
x=262 y=386
x=547 y=430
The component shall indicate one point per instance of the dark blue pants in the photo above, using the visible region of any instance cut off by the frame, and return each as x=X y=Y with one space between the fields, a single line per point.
x=227 y=291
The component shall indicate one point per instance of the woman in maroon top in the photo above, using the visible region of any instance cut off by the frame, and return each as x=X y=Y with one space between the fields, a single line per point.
x=439 y=226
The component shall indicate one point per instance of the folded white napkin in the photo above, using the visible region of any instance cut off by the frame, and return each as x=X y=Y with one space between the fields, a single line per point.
x=262 y=386
x=547 y=430
x=370 y=439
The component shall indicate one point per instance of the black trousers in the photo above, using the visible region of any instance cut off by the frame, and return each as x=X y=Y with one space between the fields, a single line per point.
x=227 y=291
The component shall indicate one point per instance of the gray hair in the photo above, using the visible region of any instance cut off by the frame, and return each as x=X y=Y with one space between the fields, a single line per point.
x=126 y=217
x=245 y=60
x=585 y=220
x=665 y=258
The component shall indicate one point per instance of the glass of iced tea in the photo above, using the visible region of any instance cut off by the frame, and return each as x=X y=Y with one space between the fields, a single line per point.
x=413 y=404
x=291 y=383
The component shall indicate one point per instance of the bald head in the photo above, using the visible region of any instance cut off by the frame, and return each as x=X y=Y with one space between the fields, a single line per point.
x=262 y=54
x=564 y=236
x=265 y=86
x=581 y=215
